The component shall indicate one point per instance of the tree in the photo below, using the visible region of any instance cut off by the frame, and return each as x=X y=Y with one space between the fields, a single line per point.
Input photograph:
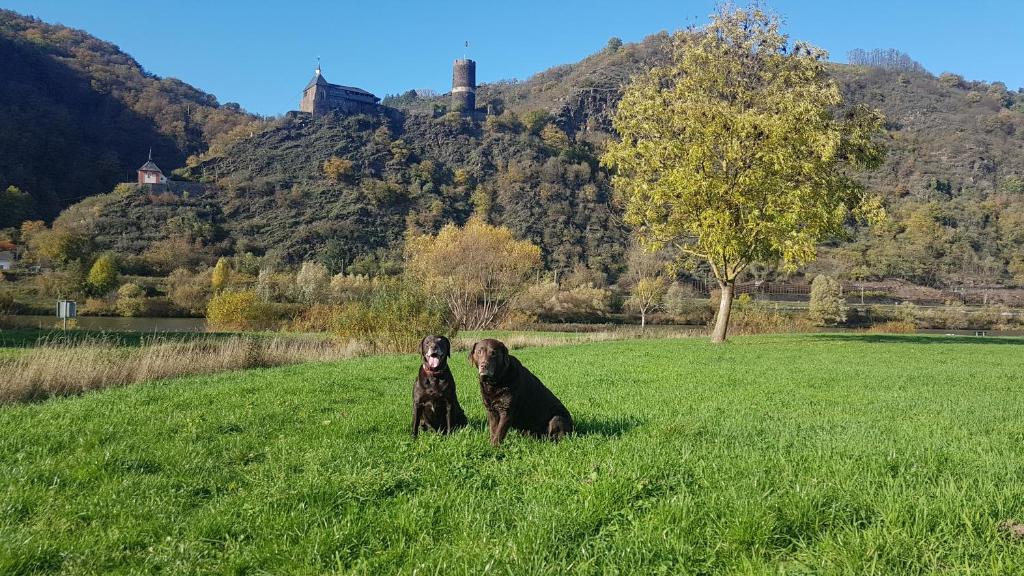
x=131 y=300
x=535 y=120
x=737 y=152
x=221 y=275
x=827 y=307
x=15 y=207
x=312 y=283
x=646 y=296
x=479 y=270
x=554 y=136
x=103 y=275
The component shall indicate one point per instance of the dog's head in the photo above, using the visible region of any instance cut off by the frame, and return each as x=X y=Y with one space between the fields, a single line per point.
x=490 y=358
x=435 y=351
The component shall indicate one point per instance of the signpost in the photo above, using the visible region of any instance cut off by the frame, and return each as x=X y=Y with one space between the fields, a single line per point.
x=66 y=309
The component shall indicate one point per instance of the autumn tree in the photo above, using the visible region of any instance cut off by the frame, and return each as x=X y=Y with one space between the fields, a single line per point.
x=738 y=151
x=312 y=283
x=645 y=281
x=102 y=276
x=646 y=296
x=221 y=275
x=478 y=270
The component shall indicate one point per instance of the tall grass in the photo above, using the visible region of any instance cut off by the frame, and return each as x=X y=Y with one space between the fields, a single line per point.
x=63 y=367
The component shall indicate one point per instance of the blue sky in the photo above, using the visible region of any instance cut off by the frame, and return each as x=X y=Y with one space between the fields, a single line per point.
x=261 y=54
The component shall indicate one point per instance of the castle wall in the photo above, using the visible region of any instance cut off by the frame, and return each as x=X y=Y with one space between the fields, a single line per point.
x=319 y=100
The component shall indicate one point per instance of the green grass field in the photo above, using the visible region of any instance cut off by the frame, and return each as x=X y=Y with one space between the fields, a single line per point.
x=815 y=454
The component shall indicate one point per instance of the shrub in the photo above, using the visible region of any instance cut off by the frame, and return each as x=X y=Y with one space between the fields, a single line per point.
x=686 y=305
x=349 y=287
x=312 y=283
x=103 y=275
x=394 y=317
x=580 y=304
x=275 y=286
x=479 y=270
x=317 y=318
x=240 y=311
x=751 y=317
x=98 y=307
x=8 y=306
x=827 y=307
x=906 y=312
x=535 y=120
x=131 y=300
x=188 y=291
x=338 y=168
x=893 y=327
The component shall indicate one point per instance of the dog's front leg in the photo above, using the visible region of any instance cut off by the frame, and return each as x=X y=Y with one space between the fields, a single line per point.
x=492 y=424
x=415 y=420
x=502 y=429
x=448 y=418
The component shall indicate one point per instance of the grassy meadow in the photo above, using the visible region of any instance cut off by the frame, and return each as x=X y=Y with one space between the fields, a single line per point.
x=811 y=454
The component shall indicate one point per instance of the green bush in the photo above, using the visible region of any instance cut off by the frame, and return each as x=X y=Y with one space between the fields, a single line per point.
x=131 y=300
x=241 y=311
x=827 y=307
x=394 y=317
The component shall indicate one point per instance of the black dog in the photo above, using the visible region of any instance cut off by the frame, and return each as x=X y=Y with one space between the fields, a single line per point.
x=515 y=397
x=435 y=405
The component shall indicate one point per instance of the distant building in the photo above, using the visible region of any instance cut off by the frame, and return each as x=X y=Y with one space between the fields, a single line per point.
x=6 y=260
x=320 y=96
x=150 y=173
x=464 y=85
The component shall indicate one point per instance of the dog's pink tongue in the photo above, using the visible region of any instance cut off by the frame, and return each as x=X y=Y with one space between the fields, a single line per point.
x=433 y=362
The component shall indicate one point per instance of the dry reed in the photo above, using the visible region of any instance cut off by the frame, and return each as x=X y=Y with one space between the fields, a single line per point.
x=63 y=368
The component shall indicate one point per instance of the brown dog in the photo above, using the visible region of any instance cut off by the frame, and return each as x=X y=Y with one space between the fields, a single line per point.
x=514 y=397
x=435 y=406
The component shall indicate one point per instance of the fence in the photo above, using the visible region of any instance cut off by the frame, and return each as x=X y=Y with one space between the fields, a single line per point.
x=875 y=292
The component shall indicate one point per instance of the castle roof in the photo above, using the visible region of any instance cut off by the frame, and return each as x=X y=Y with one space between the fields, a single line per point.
x=150 y=167
x=318 y=80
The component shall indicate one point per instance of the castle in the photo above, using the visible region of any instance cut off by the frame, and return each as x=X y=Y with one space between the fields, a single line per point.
x=320 y=96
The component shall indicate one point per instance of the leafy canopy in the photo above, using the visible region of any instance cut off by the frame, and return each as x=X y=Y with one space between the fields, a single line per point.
x=478 y=270
x=737 y=153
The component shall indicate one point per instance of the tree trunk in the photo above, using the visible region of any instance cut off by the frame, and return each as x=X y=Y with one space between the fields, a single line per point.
x=643 y=320
x=722 y=319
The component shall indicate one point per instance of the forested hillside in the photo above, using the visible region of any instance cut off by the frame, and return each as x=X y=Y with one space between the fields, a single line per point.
x=77 y=114
x=347 y=190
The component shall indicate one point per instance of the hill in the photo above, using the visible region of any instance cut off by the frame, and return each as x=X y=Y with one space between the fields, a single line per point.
x=346 y=190
x=77 y=115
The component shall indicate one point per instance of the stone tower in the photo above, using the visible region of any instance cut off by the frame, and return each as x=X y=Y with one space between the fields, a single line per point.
x=464 y=85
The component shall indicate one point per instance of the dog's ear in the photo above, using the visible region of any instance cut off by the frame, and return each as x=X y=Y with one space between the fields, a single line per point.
x=504 y=355
x=423 y=345
x=472 y=350
x=447 y=345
